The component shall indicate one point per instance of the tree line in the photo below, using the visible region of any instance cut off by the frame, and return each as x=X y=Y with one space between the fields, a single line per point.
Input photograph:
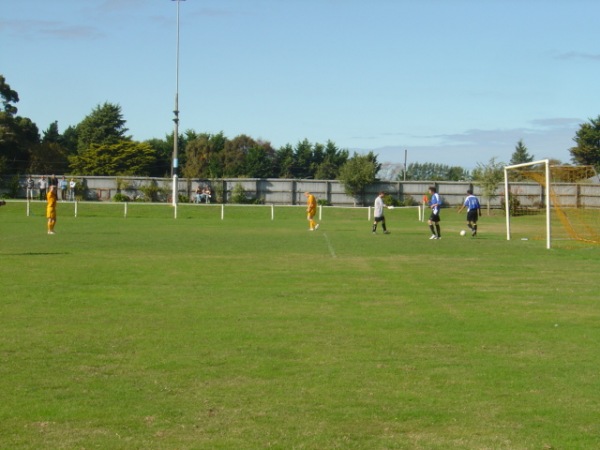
x=100 y=145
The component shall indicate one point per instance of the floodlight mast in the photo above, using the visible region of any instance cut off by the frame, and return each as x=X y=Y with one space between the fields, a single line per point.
x=176 y=118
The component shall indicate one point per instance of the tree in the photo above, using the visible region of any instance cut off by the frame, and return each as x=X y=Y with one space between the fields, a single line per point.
x=69 y=139
x=284 y=162
x=104 y=125
x=358 y=173
x=164 y=152
x=435 y=172
x=303 y=158
x=18 y=138
x=8 y=97
x=48 y=157
x=121 y=158
x=163 y=149
x=233 y=156
x=259 y=161
x=457 y=173
x=51 y=134
x=18 y=135
x=327 y=170
x=197 y=156
x=587 y=150
x=203 y=156
x=333 y=160
x=488 y=176
x=520 y=154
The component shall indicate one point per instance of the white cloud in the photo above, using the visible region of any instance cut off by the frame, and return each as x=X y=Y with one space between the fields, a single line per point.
x=579 y=55
x=544 y=138
x=29 y=29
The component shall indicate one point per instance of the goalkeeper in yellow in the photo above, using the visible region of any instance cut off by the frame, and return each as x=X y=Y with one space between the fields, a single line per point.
x=311 y=211
x=51 y=209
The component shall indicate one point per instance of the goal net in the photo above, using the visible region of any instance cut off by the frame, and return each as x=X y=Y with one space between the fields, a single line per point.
x=567 y=198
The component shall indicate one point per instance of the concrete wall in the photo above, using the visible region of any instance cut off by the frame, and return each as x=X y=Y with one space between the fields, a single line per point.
x=291 y=192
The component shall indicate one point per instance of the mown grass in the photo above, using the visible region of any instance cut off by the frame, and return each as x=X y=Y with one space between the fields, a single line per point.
x=151 y=332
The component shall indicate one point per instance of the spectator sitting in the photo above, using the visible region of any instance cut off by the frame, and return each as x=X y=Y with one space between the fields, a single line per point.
x=206 y=193
x=198 y=197
x=202 y=195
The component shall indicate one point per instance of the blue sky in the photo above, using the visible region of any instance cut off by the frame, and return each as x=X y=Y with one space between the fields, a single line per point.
x=452 y=81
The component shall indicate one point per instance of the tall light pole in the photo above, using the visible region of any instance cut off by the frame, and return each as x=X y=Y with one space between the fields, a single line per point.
x=176 y=118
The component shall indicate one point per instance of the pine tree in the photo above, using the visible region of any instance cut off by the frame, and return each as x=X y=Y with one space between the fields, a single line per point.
x=520 y=154
x=587 y=150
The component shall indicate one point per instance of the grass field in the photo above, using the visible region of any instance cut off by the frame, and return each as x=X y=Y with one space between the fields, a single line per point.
x=250 y=333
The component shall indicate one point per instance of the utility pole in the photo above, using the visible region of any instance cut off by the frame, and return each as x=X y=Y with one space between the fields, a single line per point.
x=175 y=164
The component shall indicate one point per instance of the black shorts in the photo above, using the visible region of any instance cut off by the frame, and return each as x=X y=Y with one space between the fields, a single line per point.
x=435 y=217
x=380 y=219
x=472 y=216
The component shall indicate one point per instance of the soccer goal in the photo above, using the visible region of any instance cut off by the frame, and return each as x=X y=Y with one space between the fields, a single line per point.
x=568 y=198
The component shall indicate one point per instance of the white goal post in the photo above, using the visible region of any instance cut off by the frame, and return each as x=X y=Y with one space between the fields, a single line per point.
x=546 y=164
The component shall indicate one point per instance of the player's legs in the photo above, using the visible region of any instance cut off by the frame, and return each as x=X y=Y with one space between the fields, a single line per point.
x=473 y=227
x=51 y=216
x=434 y=226
x=472 y=217
x=432 y=229
x=376 y=221
x=311 y=222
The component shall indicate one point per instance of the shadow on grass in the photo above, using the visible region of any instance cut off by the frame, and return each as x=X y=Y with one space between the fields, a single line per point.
x=37 y=254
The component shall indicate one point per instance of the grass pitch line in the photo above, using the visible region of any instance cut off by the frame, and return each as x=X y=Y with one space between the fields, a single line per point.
x=329 y=246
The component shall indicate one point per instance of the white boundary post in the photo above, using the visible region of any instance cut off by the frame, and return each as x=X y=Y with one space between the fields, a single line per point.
x=320 y=212
x=507 y=203
x=28 y=207
x=272 y=212
x=175 y=190
x=76 y=203
x=125 y=210
x=548 y=199
x=222 y=211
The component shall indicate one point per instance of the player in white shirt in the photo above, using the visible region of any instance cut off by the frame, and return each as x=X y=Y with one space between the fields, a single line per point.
x=378 y=213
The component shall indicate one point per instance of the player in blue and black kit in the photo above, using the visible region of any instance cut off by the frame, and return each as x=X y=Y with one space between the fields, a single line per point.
x=473 y=211
x=434 y=219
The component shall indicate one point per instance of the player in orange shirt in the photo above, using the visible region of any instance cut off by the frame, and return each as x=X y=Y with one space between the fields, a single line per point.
x=311 y=210
x=51 y=209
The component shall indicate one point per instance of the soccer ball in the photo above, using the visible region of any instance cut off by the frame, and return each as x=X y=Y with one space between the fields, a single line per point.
x=463 y=232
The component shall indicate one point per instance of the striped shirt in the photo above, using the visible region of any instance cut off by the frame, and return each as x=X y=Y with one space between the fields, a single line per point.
x=435 y=203
x=471 y=203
